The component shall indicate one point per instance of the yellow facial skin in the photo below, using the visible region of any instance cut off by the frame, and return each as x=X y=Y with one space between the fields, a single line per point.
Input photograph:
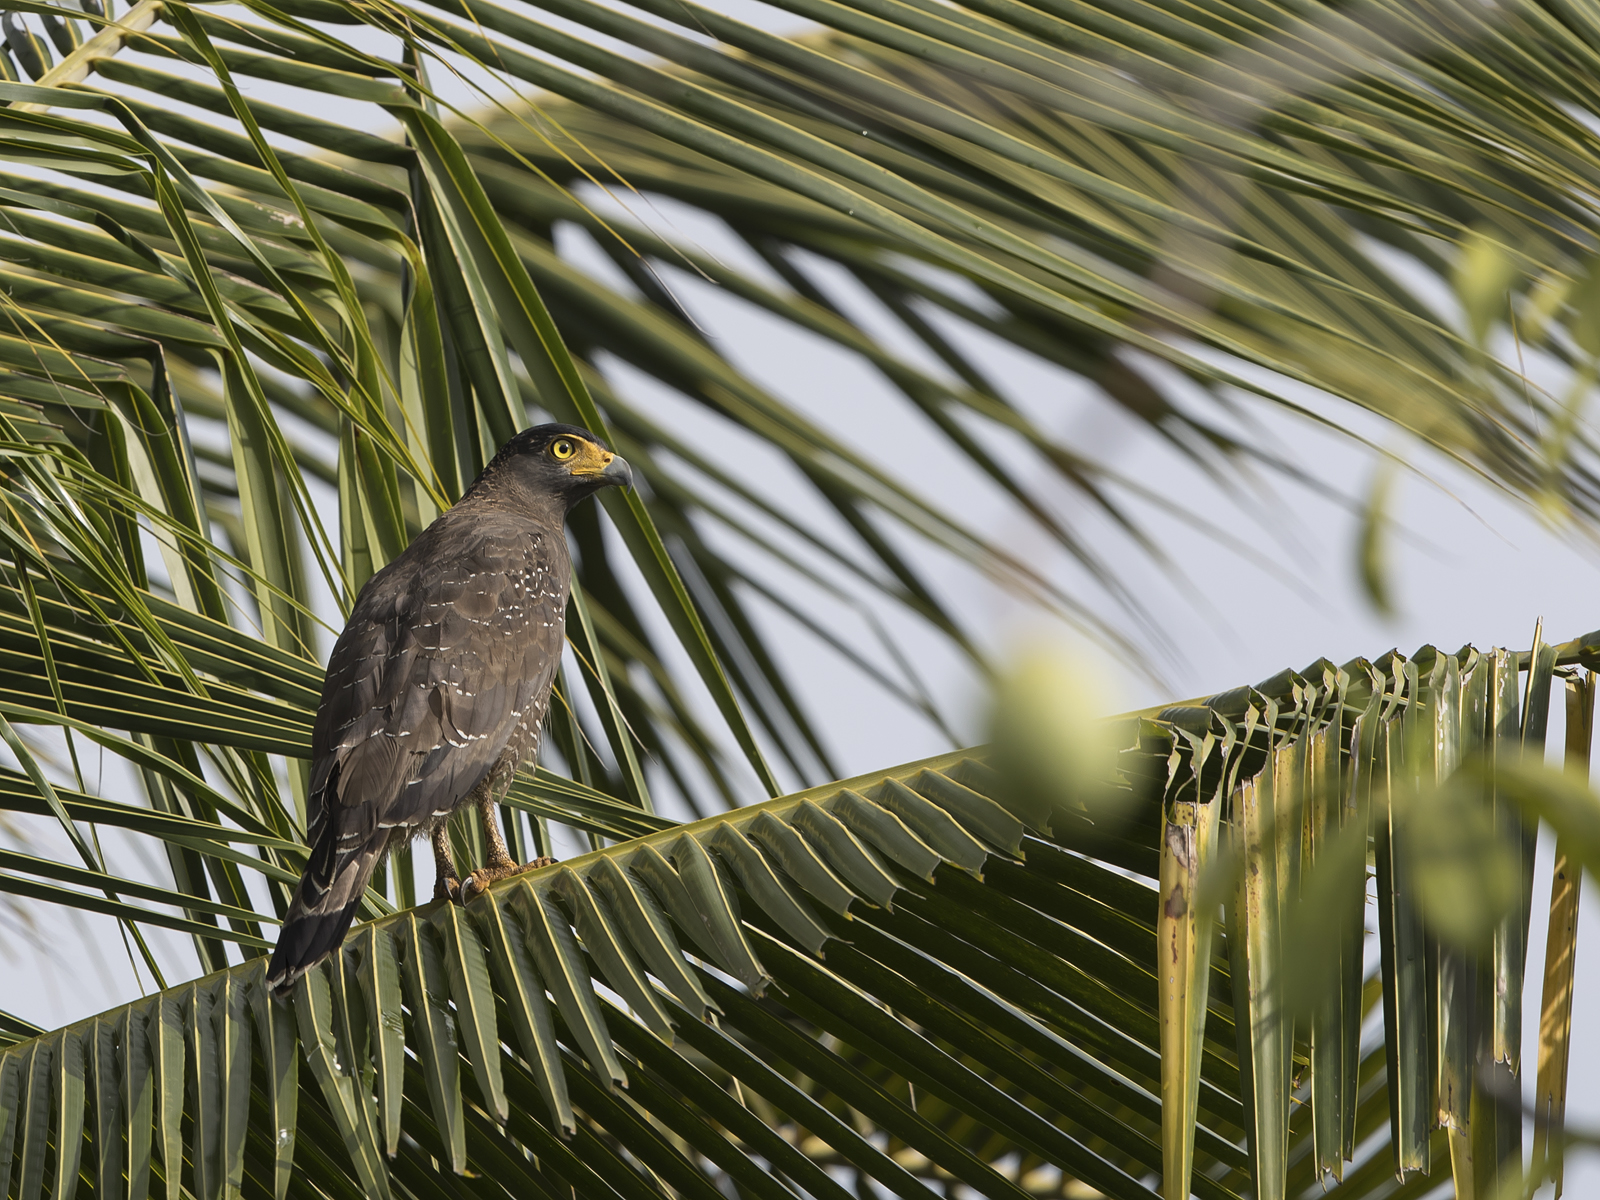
x=590 y=461
x=581 y=457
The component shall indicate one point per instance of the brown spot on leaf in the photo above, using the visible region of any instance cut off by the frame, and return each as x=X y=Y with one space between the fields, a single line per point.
x=1176 y=905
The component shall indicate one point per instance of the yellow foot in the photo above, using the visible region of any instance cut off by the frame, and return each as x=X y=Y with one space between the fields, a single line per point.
x=478 y=882
x=447 y=887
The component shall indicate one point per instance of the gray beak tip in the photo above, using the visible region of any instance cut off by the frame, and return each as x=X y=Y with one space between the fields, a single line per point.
x=618 y=472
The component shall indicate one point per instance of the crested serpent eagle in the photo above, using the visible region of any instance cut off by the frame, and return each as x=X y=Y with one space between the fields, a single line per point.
x=439 y=683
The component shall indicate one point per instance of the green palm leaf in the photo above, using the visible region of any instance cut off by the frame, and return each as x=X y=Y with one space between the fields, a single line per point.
x=969 y=971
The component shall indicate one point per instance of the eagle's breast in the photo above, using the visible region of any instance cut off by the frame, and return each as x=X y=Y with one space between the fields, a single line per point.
x=441 y=680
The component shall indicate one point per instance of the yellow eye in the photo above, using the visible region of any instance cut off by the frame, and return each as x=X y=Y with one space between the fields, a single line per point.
x=562 y=448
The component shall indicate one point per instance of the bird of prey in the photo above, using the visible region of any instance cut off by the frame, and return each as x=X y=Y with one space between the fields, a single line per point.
x=438 y=685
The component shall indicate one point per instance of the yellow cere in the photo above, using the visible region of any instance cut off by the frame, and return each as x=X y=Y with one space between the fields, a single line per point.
x=588 y=458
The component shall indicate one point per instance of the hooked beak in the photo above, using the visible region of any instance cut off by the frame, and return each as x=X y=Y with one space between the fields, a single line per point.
x=617 y=472
x=600 y=467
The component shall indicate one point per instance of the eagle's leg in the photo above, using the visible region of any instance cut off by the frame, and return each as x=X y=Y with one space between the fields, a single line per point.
x=498 y=863
x=446 y=885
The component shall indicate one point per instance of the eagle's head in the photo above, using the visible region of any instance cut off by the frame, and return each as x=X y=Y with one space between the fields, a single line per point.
x=561 y=462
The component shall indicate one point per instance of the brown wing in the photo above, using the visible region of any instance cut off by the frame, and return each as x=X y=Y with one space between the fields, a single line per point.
x=435 y=672
x=447 y=658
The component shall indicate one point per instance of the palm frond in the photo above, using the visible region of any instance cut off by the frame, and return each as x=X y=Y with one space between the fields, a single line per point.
x=920 y=976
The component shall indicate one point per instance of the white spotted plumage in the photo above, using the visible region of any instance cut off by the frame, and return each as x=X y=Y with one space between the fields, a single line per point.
x=438 y=685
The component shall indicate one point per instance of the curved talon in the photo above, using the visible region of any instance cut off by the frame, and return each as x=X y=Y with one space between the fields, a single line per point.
x=472 y=886
x=475 y=884
x=447 y=887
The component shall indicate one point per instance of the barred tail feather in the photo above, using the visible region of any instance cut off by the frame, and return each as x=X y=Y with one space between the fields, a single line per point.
x=323 y=906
